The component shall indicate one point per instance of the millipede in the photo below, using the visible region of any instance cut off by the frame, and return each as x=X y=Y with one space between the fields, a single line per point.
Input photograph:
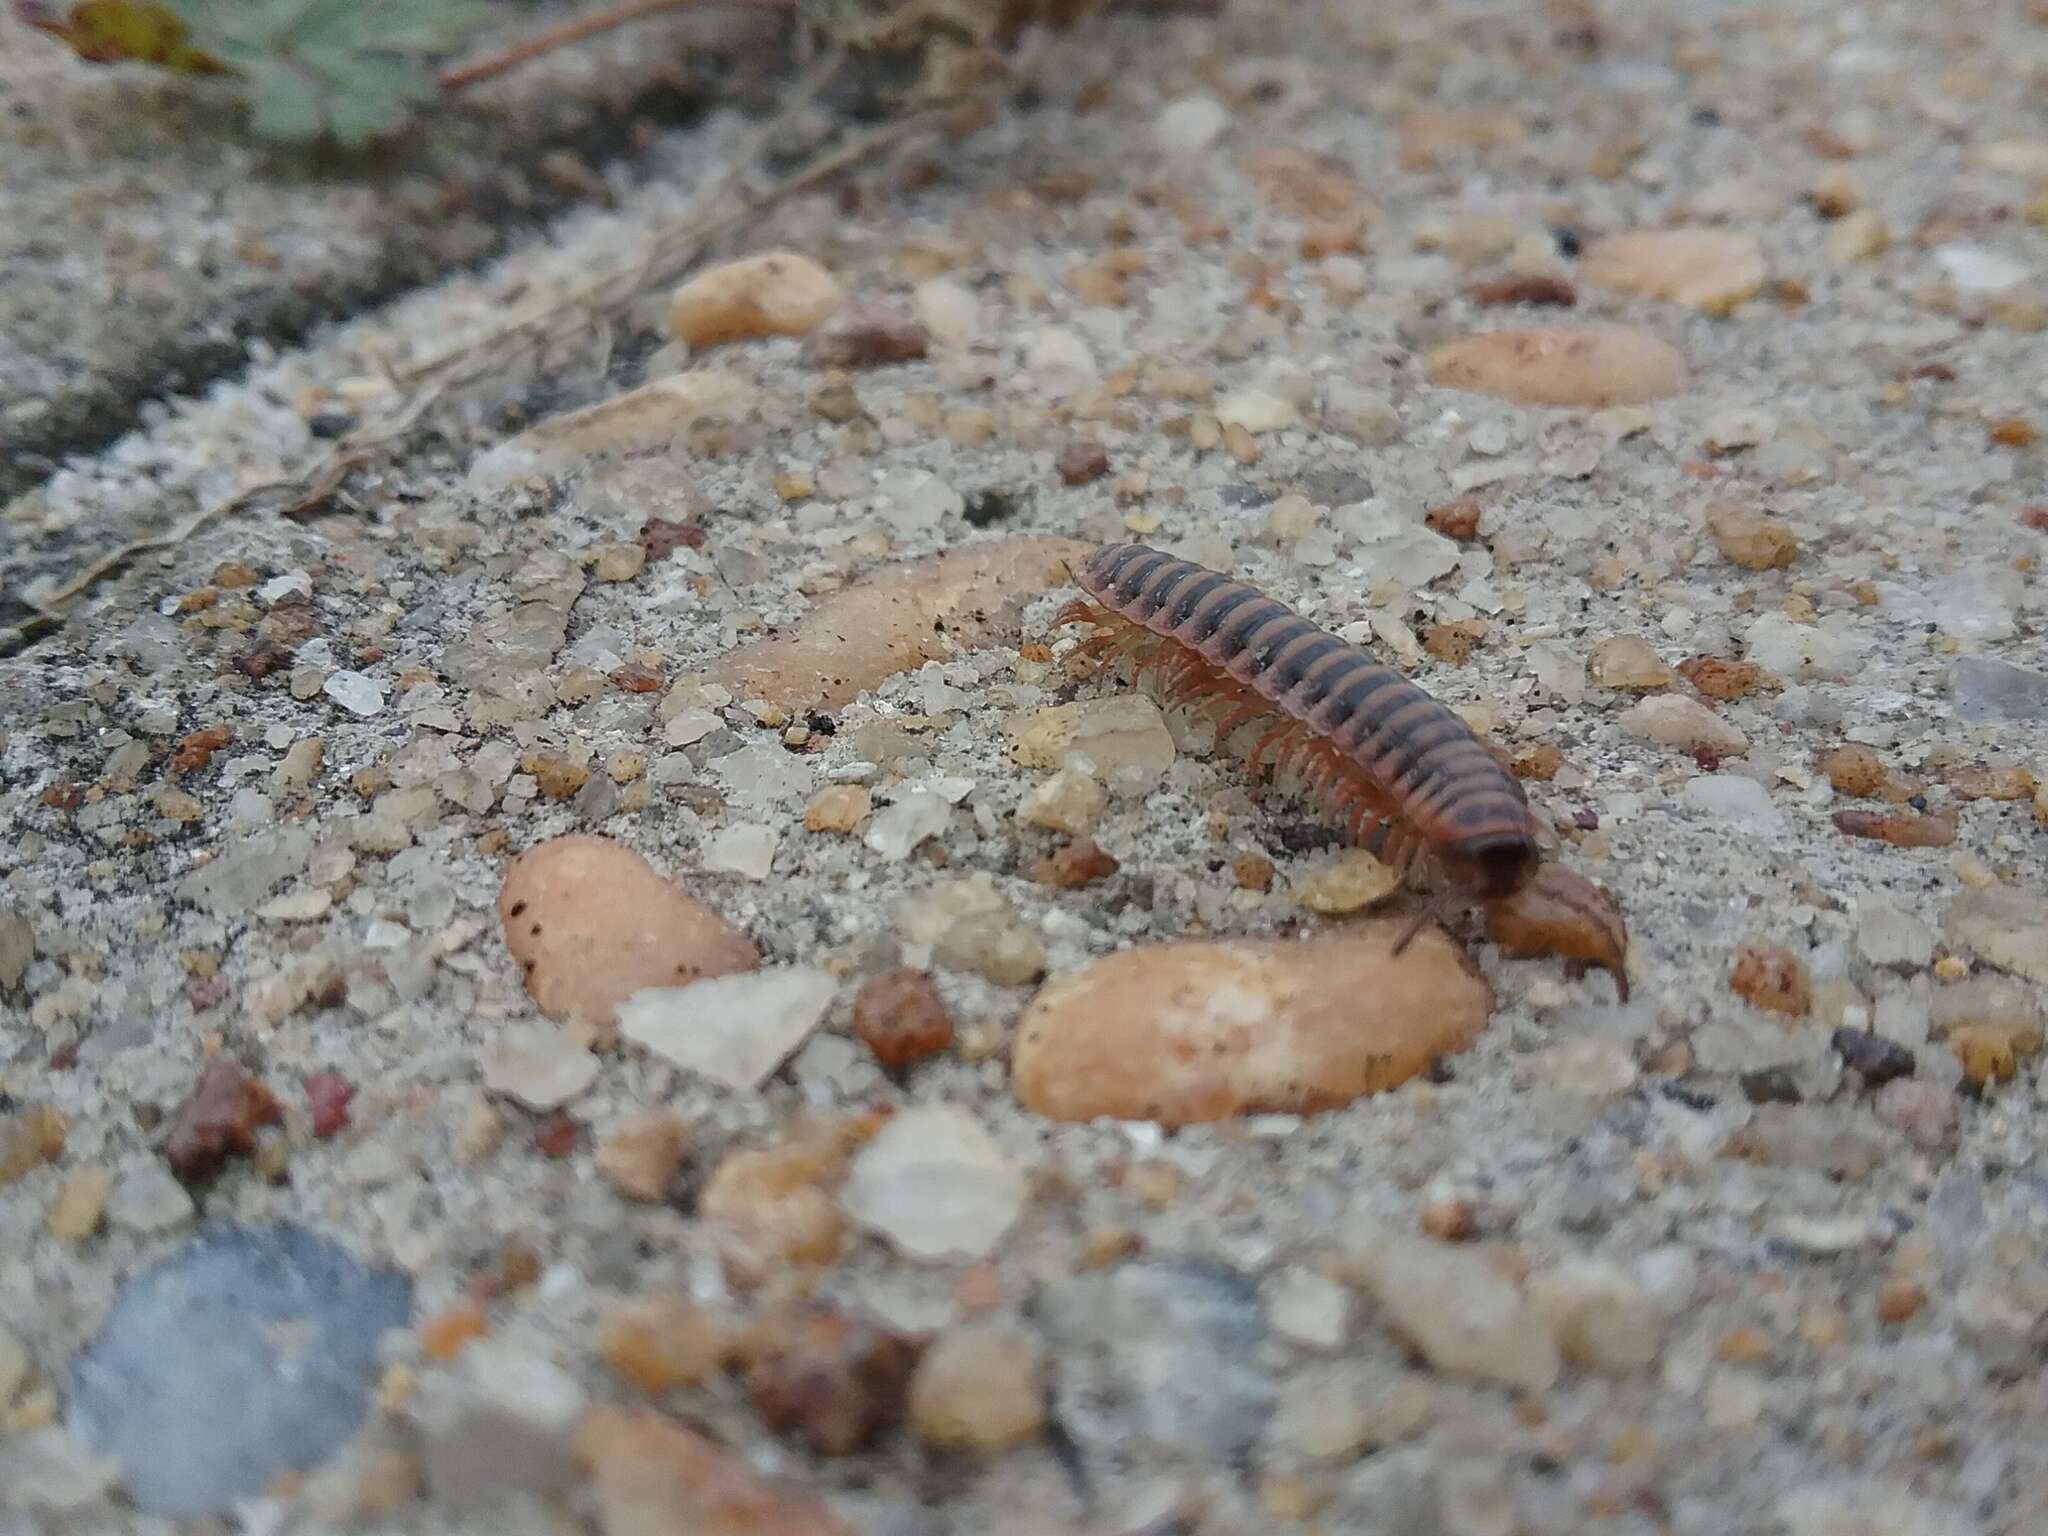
x=1391 y=765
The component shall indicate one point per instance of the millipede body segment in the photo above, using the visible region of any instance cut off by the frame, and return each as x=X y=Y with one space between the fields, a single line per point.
x=1391 y=764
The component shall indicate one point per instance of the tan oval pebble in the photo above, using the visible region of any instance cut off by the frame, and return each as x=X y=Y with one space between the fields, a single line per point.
x=1710 y=269
x=651 y=416
x=775 y=293
x=1589 y=367
x=899 y=618
x=591 y=922
x=1183 y=1033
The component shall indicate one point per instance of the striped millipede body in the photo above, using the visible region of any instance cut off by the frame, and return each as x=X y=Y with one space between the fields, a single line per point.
x=1384 y=759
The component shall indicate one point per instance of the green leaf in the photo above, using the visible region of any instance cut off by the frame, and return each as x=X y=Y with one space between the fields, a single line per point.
x=349 y=69
x=285 y=107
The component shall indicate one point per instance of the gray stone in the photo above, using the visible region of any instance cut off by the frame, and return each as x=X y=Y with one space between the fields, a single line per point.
x=2003 y=925
x=935 y=1184
x=1166 y=1353
x=247 y=1353
x=1454 y=1308
x=17 y=947
x=539 y=1066
x=147 y=1199
x=735 y=1030
x=48 y=1472
x=244 y=872
x=1887 y=936
x=1984 y=689
x=502 y=1423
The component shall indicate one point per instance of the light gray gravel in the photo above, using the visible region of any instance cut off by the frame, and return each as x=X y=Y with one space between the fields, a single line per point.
x=1686 y=1215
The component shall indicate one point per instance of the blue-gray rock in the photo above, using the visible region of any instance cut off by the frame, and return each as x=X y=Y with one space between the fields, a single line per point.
x=1164 y=1353
x=248 y=1352
x=1985 y=689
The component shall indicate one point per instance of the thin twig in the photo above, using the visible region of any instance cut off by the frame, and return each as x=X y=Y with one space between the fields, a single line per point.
x=491 y=65
x=313 y=482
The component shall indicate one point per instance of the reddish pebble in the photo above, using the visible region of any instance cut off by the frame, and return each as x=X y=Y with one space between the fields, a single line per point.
x=836 y=1380
x=197 y=750
x=1083 y=461
x=1898 y=1300
x=900 y=1017
x=218 y=1120
x=662 y=538
x=638 y=677
x=1456 y=519
x=443 y=1335
x=1525 y=288
x=328 y=1093
x=556 y=1135
x=1772 y=978
x=1899 y=829
x=1073 y=865
x=1450 y=1221
x=869 y=340
x=1719 y=678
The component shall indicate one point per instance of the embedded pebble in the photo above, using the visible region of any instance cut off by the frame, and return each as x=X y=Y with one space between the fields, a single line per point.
x=2002 y=925
x=744 y=849
x=1978 y=269
x=1987 y=689
x=1120 y=741
x=650 y=416
x=147 y=1199
x=654 y=1476
x=1162 y=1353
x=1673 y=720
x=1750 y=539
x=1187 y=1032
x=590 y=922
x=1352 y=881
x=501 y=1424
x=948 y=310
x=1887 y=936
x=1589 y=368
x=1070 y=801
x=913 y=816
x=639 y=1156
x=979 y=1388
x=1190 y=124
x=1709 y=269
x=1736 y=799
x=1257 y=411
x=1626 y=661
x=901 y=1018
x=276 y=1330
x=1790 y=649
x=354 y=692
x=775 y=293
x=836 y=1379
x=934 y=1184
x=540 y=1067
x=734 y=1030
x=897 y=619
x=1601 y=1317
x=1924 y=1112
x=1309 y=1309
x=1453 y=1307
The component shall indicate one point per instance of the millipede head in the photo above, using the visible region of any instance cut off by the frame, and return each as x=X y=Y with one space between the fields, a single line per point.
x=1490 y=866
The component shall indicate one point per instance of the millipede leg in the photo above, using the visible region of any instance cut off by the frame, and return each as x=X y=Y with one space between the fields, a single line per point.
x=1277 y=734
x=1431 y=910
